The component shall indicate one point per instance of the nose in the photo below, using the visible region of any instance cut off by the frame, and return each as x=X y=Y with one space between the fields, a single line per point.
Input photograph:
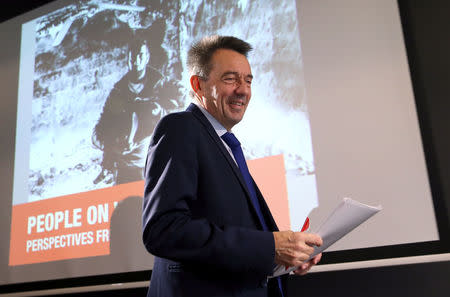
x=242 y=87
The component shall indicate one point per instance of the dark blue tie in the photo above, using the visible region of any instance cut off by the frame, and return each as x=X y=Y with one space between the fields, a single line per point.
x=236 y=149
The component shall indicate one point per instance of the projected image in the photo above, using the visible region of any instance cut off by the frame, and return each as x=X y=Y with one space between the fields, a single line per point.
x=100 y=86
x=103 y=73
x=135 y=104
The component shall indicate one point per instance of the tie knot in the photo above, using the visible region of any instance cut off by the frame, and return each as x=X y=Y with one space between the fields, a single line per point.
x=231 y=140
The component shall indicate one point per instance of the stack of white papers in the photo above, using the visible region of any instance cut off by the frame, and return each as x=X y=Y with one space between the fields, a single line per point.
x=348 y=215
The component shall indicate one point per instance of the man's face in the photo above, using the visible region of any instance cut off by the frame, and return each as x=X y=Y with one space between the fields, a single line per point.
x=227 y=91
x=138 y=61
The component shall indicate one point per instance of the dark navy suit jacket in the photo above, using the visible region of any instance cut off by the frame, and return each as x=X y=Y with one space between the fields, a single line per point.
x=198 y=219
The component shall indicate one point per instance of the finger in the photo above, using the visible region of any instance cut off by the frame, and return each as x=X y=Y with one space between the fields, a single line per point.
x=317 y=258
x=303 y=269
x=306 y=266
x=306 y=238
x=313 y=239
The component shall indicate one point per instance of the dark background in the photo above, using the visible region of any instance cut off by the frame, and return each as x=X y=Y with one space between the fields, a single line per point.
x=426 y=26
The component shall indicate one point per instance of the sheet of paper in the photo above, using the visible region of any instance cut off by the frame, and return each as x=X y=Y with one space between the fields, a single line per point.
x=348 y=215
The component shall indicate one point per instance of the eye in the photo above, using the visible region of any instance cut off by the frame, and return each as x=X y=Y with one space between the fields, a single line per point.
x=229 y=79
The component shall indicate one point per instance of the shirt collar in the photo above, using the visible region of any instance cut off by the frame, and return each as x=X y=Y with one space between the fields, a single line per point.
x=218 y=127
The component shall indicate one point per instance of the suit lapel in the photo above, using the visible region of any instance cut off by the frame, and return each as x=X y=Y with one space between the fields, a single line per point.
x=213 y=134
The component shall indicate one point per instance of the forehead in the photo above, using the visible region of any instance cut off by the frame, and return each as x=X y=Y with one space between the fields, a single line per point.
x=225 y=60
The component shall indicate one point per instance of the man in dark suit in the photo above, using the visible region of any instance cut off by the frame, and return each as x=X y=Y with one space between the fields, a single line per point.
x=203 y=217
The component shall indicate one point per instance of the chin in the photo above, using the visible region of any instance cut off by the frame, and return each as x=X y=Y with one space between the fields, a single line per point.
x=236 y=121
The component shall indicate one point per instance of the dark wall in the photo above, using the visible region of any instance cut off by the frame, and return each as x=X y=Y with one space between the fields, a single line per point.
x=428 y=279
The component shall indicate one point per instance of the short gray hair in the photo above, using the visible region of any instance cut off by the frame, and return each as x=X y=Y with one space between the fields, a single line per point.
x=200 y=54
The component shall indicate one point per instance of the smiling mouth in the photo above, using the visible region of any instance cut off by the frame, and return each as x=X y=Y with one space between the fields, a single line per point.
x=237 y=103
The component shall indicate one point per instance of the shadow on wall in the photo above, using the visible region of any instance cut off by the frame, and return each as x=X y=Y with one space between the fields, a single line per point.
x=127 y=251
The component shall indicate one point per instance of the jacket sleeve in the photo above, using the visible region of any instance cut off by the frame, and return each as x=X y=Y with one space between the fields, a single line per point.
x=170 y=231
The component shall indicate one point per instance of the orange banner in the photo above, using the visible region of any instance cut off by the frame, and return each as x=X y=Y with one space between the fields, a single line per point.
x=66 y=227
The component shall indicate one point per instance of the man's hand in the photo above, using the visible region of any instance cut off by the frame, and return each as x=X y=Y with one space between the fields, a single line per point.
x=305 y=267
x=294 y=248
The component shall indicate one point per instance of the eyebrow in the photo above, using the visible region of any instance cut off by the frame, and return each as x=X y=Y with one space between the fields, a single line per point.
x=236 y=73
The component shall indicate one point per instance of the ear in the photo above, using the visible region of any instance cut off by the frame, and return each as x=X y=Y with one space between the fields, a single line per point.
x=195 y=85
